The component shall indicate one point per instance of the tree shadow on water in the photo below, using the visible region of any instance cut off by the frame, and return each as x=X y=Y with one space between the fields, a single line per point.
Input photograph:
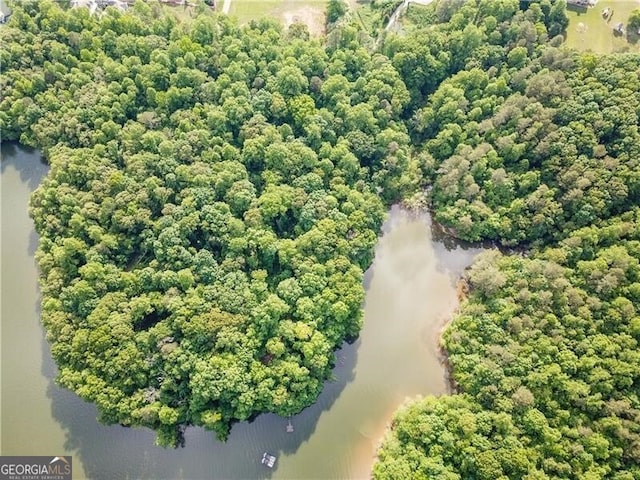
x=116 y=452
x=21 y=158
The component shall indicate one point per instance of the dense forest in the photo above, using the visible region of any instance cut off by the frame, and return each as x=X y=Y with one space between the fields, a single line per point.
x=546 y=353
x=216 y=192
x=534 y=145
x=206 y=222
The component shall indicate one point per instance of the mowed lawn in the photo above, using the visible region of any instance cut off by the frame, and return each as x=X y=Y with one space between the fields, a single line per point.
x=588 y=30
x=310 y=12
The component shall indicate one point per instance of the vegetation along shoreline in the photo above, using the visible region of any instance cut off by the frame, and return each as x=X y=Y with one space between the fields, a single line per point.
x=216 y=192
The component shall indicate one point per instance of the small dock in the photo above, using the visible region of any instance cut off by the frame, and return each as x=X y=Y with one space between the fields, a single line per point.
x=268 y=459
x=289 y=427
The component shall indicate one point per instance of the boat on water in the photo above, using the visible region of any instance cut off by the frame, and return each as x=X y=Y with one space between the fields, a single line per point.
x=268 y=459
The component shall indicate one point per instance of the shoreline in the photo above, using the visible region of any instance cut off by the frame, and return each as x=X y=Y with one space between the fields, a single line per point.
x=462 y=293
x=442 y=356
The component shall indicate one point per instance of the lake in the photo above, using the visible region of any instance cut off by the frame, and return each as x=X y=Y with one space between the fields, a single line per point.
x=411 y=293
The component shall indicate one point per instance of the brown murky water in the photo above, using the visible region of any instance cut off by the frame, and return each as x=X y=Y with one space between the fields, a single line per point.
x=411 y=292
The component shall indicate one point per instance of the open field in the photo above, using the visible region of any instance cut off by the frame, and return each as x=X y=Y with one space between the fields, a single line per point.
x=363 y=13
x=417 y=15
x=309 y=12
x=588 y=30
x=183 y=13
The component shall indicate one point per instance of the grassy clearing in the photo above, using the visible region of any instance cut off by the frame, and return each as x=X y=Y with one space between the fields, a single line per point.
x=247 y=10
x=588 y=30
x=309 y=12
x=182 y=12
x=363 y=13
x=419 y=16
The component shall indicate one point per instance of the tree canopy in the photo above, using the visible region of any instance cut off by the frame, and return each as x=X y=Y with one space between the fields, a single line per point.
x=216 y=192
x=213 y=199
x=546 y=352
x=530 y=144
